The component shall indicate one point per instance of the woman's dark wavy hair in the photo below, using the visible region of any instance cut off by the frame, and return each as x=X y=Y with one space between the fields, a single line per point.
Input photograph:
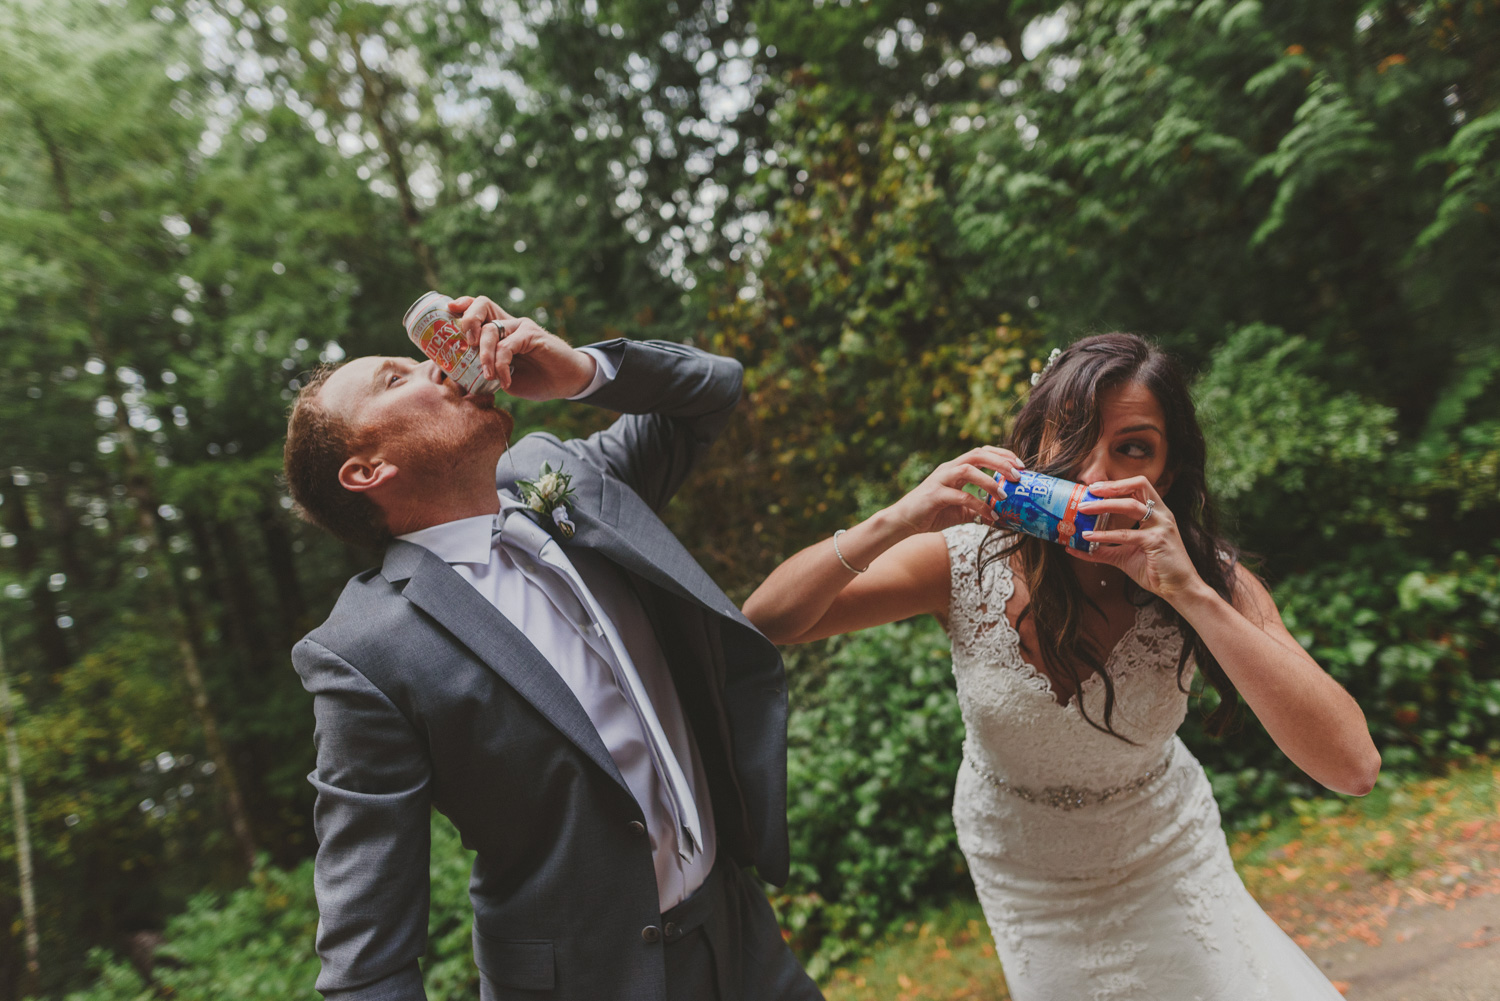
x=1054 y=432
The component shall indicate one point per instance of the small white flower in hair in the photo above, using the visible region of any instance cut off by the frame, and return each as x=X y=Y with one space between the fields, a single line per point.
x=1036 y=377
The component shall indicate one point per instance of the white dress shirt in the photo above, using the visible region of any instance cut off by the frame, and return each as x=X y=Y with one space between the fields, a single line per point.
x=492 y=570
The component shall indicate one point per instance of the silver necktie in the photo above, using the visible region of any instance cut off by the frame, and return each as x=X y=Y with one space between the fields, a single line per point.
x=543 y=562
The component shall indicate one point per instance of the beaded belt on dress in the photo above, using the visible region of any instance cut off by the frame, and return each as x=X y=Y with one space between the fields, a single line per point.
x=1070 y=797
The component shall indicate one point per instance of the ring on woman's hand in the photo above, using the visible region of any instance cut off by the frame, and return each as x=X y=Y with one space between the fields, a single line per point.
x=1150 y=508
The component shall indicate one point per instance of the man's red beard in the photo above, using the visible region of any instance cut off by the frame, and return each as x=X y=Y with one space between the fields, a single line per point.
x=437 y=453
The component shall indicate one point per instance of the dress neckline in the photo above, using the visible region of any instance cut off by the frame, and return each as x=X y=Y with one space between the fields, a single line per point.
x=1043 y=682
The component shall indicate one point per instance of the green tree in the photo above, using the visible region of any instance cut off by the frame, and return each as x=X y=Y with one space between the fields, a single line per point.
x=889 y=210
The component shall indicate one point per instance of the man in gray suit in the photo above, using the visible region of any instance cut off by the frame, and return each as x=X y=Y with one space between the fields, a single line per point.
x=601 y=724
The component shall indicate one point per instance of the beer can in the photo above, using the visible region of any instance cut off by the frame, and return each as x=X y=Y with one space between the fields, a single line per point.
x=435 y=331
x=1047 y=507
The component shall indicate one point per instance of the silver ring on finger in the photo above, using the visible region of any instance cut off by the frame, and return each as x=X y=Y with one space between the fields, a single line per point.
x=1150 y=509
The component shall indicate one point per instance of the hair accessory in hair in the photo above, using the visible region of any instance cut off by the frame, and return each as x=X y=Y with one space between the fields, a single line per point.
x=1036 y=377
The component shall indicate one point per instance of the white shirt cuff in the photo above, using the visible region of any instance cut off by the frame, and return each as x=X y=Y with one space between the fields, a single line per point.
x=605 y=372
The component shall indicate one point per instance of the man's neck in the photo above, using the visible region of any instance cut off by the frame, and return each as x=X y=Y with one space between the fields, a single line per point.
x=453 y=505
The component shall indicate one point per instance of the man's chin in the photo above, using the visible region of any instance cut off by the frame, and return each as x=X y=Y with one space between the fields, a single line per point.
x=497 y=421
x=488 y=430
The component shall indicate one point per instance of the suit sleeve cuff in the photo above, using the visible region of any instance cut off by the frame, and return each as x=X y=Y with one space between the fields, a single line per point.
x=603 y=374
x=403 y=985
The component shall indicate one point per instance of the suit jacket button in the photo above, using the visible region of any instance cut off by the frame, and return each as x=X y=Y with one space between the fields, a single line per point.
x=651 y=934
x=637 y=828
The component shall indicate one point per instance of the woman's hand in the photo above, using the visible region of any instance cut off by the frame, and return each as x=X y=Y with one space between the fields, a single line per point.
x=825 y=590
x=940 y=501
x=1151 y=553
x=528 y=362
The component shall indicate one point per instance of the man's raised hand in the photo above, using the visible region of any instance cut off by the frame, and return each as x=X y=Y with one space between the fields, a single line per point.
x=527 y=361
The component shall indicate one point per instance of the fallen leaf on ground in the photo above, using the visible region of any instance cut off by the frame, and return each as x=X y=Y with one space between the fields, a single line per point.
x=1483 y=936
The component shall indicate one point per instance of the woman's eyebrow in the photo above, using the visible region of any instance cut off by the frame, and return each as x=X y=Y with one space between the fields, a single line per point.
x=1141 y=427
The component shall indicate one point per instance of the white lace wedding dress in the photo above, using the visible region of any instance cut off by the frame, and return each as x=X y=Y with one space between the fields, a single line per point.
x=1101 y=867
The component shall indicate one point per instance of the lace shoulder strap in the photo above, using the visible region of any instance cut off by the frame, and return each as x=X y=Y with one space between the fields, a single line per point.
x=975 y=606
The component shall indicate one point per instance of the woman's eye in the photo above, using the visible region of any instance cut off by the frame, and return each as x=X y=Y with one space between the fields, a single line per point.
x=1136 y=450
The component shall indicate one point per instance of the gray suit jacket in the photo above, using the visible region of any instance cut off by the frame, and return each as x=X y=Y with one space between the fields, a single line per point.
x=426 y=696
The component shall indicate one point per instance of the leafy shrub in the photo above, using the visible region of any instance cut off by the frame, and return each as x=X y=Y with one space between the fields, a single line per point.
x=120 y=794
x=875 y=733
x=1284 y=446
x=1415 y=643
x=256 y=944
x=874 y=746
x=874 y=743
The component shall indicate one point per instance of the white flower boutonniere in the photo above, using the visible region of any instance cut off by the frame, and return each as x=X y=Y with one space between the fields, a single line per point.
x=549 y=494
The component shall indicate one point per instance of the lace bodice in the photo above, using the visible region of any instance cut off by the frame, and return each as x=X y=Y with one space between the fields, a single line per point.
x=1016 y=729
x=1101 y=865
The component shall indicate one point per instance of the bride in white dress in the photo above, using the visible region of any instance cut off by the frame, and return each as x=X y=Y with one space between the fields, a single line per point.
x=1090 y=831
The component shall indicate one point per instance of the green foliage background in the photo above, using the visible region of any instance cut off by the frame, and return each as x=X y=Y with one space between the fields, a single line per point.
x=889 y=210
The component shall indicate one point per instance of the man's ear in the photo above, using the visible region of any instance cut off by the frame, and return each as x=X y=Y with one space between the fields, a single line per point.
x=362 y=473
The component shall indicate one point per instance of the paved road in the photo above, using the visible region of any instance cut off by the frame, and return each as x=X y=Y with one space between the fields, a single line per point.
x=1426 y=954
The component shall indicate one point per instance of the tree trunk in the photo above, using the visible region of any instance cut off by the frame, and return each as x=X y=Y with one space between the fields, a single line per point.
x=50 y=638
x=231 y=627
x=1012 y=28
x=138 y=484
x=242 y=604
x=64 y=526
x=375 y=108
x=179 y=614
x=239 y=817
x=146 y=508
x=23 y=834
x=282 y=563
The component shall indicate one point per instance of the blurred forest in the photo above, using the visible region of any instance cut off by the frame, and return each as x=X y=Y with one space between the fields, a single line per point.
x=889 y=210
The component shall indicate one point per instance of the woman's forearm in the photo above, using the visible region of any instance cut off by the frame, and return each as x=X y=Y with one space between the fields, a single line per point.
x=800 y=591
x=793 y=604
x=1313 y=720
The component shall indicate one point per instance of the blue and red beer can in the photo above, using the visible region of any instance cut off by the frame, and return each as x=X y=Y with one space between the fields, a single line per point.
x=1047 y=507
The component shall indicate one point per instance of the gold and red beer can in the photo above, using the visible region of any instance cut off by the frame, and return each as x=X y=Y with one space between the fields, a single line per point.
x=435 y=332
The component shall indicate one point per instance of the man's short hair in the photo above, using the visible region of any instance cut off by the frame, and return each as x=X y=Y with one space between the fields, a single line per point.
x=318 y=442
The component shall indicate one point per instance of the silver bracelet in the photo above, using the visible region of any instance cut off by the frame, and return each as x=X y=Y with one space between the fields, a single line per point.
x=840 y=553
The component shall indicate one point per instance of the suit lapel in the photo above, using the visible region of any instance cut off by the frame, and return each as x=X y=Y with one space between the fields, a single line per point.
x=438 y=590
x=681 y=577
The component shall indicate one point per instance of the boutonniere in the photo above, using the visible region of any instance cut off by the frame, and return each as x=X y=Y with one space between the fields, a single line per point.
x=548 y=494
